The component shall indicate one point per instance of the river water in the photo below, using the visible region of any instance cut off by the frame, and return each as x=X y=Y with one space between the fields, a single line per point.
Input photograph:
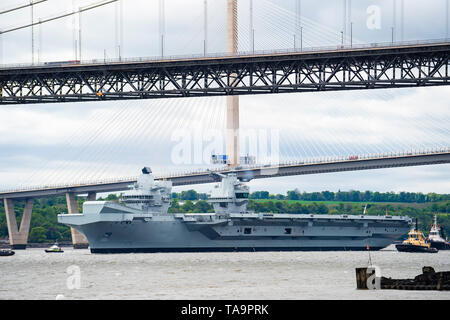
x=78 y=274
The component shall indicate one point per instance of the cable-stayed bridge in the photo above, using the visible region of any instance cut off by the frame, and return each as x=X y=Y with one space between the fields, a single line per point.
x=246 y=173
x=302 y=67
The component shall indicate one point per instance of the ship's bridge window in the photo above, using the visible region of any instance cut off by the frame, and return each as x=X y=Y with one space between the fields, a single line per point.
x=241 y=195
x=138 y=197
x=247 y=230
x=137 y=202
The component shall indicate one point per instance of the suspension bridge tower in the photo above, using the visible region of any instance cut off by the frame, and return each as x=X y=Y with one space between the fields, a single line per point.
x=232 y=101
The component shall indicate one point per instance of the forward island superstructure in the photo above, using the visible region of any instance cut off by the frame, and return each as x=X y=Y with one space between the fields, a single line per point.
x=140 y=222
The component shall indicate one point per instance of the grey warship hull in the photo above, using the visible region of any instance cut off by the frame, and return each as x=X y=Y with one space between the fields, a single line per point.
x=241 y=232
x=141 y=223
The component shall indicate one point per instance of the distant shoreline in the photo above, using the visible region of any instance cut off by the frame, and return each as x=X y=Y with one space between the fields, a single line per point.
x=6 y=245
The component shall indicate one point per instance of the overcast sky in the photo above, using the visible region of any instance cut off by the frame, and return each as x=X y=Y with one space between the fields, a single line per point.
x=44 y=144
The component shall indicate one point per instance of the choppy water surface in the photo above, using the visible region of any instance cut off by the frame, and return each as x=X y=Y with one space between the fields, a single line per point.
x=34 y=274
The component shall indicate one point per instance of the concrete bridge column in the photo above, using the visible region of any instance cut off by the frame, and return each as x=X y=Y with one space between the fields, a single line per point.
x=18 y=238
x=92 y=196
x=79 y=241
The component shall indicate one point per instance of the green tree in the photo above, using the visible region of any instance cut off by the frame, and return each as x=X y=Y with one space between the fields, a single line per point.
x=259 y=195
x=38 y=234
x=189 y=195
x=174 y=206
x=322 y=209
x=188 y=206
x=292 y=195
x=202 y=206
x=112 y=197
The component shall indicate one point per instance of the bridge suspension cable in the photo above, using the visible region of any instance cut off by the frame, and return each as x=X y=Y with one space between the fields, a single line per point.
x=446 y=18
x=32 y=33
x=30 y=4
x=162 y=26
x=303 y=31
x=110 y=141
x=119 y=29
x=205 y=26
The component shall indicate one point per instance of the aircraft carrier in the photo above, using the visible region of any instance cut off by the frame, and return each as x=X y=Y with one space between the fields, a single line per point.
x=140 y=222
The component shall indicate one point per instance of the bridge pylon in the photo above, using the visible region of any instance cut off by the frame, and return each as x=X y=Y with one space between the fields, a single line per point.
x=232 y=101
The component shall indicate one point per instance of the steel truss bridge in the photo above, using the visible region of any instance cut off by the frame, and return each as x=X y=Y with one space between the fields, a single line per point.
x=244 y=174
x=375 y=66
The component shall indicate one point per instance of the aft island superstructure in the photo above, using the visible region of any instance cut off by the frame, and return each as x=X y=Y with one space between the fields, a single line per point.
x=140 y=222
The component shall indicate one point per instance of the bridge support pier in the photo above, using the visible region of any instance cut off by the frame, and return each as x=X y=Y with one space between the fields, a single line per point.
x=79 y=241
x=18 y=238
x=92 y=196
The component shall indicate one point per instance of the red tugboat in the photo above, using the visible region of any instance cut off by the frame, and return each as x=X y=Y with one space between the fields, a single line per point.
x=435 y=239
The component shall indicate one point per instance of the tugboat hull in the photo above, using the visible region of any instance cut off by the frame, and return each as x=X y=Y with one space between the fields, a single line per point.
x=414 y=248
x=435 y=239
x=6 y=253
x=440 y=245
